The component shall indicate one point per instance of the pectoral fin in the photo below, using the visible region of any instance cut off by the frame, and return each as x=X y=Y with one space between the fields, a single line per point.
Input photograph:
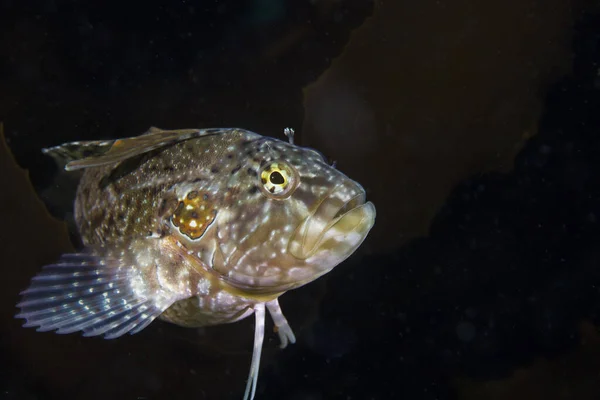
x=94 y=294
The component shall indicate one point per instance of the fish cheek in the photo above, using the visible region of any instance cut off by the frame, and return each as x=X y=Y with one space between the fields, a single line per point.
x=194 y=214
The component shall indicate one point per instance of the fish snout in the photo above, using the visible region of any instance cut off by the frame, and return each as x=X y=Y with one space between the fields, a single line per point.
x=336 y=228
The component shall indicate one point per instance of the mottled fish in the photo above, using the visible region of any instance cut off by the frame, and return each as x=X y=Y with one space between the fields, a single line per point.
x=196 y=227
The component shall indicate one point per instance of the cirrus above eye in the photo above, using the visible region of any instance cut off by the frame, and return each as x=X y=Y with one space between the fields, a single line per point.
x=279 y=179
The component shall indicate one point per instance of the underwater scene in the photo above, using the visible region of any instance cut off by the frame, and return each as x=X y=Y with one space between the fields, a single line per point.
x=300 y=199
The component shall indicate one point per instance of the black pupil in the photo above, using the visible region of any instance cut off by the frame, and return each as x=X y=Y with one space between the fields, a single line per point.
x=276 y=178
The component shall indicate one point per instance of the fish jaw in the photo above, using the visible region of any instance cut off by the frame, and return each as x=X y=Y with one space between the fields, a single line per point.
x=335 y=230
x=343 y=236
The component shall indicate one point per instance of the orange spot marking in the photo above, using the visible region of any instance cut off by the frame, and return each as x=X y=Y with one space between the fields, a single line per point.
x=193 y=215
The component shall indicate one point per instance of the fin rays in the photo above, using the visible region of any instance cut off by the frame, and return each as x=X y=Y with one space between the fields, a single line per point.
x=108 y=152
x=89 y=294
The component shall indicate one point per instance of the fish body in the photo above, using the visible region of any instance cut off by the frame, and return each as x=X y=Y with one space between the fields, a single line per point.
x=195 y=227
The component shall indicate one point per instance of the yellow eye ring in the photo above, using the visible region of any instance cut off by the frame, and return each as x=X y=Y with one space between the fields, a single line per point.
x=279 y=180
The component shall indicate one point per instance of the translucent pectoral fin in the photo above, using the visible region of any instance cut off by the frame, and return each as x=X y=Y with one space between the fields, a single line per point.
x=94 y=294
x=285 y=332
x=259 y=334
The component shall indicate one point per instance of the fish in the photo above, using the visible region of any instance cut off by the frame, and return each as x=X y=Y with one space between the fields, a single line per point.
x=196 y=227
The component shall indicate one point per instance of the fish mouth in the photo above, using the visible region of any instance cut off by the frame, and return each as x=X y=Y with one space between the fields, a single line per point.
x=355 y=202
x=335 y=229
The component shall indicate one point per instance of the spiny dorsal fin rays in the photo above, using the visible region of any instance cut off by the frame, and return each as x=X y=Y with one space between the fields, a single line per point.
x=67 y=152
x=99 y=153
x=155 y=138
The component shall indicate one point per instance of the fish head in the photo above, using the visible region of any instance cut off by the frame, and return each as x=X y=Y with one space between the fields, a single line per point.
x=290 y=217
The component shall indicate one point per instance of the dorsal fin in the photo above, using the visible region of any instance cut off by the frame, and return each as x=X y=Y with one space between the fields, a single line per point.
x=67 y=152
x=78 y=155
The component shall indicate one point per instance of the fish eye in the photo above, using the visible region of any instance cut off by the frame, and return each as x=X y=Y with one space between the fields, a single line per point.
x=279 y=180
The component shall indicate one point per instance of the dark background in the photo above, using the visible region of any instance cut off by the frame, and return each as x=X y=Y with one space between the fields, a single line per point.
x=473 y=127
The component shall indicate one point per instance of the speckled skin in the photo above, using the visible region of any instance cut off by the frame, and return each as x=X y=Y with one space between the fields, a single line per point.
x=196 y=227
x=255 y=245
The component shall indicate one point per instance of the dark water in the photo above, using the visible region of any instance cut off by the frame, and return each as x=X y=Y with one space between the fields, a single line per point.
x=476 y=133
